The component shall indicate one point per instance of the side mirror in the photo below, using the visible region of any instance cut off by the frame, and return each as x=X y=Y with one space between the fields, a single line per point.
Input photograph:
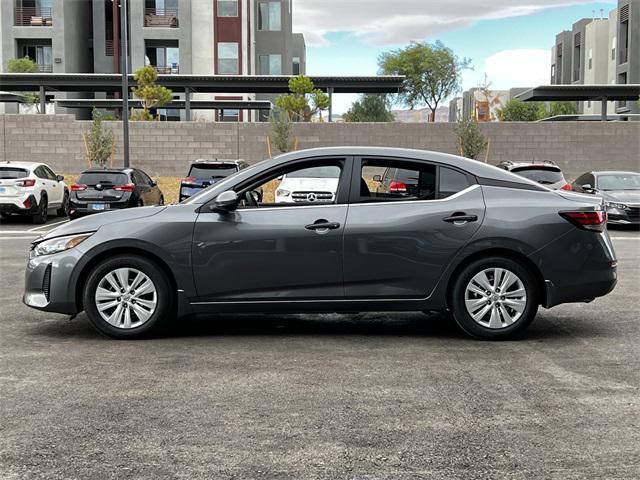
x=377 y=178
x=225 y=202
x=59 y=178
x=153 y=183
x=587 y=187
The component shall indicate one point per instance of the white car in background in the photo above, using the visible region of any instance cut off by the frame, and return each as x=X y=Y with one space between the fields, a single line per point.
x=29 y=188
x=311 y=185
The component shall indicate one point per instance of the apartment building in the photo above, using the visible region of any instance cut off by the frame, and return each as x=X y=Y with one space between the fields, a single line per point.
x=600 y=50
x=225 y=37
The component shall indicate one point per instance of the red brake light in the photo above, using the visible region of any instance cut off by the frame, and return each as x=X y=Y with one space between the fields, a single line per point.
x=78 y=187
x=127 y=187
x=567 y=186
x=29 y=182
x=188 y=180
x=594 y=220
x=396 y=186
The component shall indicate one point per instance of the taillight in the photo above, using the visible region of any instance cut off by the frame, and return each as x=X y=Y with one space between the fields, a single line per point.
x=189 y=180
x=29 y=182
x=567 y=186
x=127 y=187
x=595 y=220
x=78 y=187
x=396 y=186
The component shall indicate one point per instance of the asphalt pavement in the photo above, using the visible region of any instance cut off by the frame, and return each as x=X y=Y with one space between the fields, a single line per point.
x=371 y=396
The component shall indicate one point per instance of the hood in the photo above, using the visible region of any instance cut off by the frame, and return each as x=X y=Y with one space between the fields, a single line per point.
x=631 y=197
x=93 y=222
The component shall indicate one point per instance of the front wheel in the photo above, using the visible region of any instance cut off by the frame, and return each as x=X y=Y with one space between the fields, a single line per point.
x=127 y=297
x=494 y=298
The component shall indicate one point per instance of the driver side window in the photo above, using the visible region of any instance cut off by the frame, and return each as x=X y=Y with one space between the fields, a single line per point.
x=306 y=183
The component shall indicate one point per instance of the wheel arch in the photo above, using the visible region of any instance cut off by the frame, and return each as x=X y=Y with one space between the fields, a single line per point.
x=121 y=250
x=499 y=252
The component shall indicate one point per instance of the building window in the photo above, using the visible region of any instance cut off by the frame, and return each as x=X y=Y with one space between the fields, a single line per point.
x=161 y=13
x=166 y=60
x=271 y=64
x=227 y=8
x=229 y=115
x=553 y=72
x=622 y=80
x=228 y=58
x=577 y=59
x=269 y=16
x=613 y=48
x=296 y=66
x=590 y=58
x=624 y=34
x=33 y=13
x=41 y=54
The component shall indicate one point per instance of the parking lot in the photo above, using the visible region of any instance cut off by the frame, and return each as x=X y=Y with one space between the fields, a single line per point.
x=320 y=396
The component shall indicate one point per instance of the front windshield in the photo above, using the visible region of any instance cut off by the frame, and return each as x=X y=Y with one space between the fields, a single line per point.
x=329 y=171
x=619 y=181
x=202 y=195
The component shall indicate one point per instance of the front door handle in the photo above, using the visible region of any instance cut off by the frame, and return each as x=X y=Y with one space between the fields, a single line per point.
x=460 y=218
x=322 y=225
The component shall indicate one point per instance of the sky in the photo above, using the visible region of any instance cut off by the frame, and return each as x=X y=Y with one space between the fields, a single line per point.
x=509 y=41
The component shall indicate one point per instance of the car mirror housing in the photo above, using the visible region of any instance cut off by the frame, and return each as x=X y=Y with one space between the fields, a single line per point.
x=59 y=178
x=377 y=178
x=587 y=187
x=225 y=202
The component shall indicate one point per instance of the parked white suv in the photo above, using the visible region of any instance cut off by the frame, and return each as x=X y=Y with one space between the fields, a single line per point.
x=29 y=188
x=309 y=185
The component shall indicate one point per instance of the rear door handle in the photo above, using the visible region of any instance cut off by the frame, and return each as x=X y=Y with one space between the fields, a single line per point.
x=461 y=218
x=323 y=225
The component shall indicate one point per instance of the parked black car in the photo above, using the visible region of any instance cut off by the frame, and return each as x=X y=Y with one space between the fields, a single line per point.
x=621 y=191
x=98 y=190
x=545 y=173
x=203 y=173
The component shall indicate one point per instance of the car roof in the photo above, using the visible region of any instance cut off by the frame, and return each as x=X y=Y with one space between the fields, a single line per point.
x=205 y=161
x=21 y=164
x=107 y=170
x=614 y=172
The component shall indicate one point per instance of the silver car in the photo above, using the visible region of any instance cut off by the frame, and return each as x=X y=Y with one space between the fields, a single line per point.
x=488 y=245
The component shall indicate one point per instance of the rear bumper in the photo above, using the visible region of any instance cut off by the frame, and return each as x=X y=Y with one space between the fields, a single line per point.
x=17 y=205
x=77 y=209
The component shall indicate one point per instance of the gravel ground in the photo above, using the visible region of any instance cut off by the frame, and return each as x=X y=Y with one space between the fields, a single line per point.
x=376 y=396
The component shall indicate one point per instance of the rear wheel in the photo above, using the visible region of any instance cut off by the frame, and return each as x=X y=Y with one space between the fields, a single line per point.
x=42 y=213
x=494 y=298
x=127 y=296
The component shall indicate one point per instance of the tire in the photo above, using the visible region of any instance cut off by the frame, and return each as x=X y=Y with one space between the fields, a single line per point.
x=138 y=326
x=63 y=211
x=161 y=201
x=500 y=315
x=42 y=214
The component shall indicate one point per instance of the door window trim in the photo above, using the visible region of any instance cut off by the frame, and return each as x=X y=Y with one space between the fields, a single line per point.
x=356 y=199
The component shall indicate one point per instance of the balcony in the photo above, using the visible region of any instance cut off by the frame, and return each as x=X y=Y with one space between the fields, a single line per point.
x=161 y=17
x=45 y=68
x=167 y=70
x=33 y=16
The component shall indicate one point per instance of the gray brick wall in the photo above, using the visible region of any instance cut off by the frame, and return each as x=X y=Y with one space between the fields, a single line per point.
x=162 y=148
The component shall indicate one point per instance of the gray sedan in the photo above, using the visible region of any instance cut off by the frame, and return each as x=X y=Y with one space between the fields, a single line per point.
x=486 y=244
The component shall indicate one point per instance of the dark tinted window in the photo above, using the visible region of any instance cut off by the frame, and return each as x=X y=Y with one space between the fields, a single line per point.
x=543 y=175
x=9 y=172
x=403 y=180
x=40 y=172
x=94 y=178
x=212 y=171
x=49 y=173
x=451 y=182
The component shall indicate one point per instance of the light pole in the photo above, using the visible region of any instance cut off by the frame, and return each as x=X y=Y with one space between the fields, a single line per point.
x=125 y=81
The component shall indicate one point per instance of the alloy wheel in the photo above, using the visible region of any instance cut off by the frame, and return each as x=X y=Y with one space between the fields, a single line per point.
x=126 y=298
x=495 y=298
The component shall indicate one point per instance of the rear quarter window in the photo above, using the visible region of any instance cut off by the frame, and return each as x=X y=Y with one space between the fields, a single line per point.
x=451 y=182
x=10 y=172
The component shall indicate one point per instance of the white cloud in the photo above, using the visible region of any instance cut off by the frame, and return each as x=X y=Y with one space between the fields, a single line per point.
x=400 y=21
x=518 y=68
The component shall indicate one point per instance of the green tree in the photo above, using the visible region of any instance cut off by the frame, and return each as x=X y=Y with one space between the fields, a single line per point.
x=280 y=131
x=471 y=142
x=433 y=73
x=370 y=108
x=562 y=108
x=518 y=111
x=304 y=101
x=25 y=65
x=99 y=142
x=152 y=95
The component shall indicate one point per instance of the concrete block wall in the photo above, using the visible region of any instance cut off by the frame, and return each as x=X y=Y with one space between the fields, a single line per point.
x=166 y=148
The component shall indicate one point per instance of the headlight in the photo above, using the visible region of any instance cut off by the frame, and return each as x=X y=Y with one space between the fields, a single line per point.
x=616 y=206
x=59 y=244
x=283 y=193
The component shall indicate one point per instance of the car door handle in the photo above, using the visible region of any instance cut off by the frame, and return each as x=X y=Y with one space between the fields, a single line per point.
x=460 y=218
x=322 y=225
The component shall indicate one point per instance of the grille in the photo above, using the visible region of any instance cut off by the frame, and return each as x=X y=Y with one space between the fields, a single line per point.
x=624 y=13
x=46 y=282
x=320 y=197
x=633 y=212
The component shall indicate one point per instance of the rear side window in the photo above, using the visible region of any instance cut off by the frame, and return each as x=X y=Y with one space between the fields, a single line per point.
x=451 y=182
x=212 y=171
x=94 y=178
x=400 y=180
x=10 y=172
x=543 y=175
